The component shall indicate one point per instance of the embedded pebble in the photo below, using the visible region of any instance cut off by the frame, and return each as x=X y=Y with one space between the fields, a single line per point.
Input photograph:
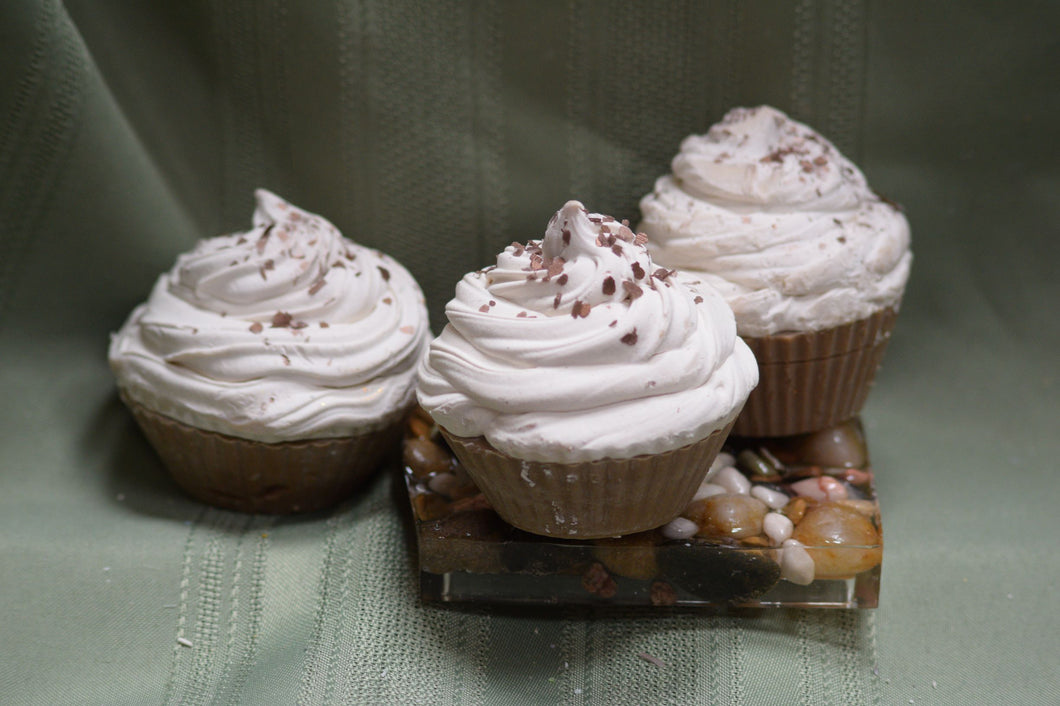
x=842 y=541
x=445 y=484
x=795 y=509
x=822 y=488
x=777 y=527
x=796 y=564
x=679 y=528
x=754 y=464
x=425 y=457
x=865 y=507
x=720 y=461
x=708 y=489
x=733 y=481
x=841 y=446
x=631 y=556
x=727 y=516
x=773 y=498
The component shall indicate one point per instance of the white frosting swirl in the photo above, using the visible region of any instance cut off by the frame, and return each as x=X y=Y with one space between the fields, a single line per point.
x=287 y=331
x=574 y=348
x=785 y=227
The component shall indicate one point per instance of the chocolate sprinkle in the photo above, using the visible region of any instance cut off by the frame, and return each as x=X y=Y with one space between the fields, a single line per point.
x=638 y=271
x=697 y=299
x=484 y=308
x=385 y=272
x=388 y=300
x=298 y=324
x=662 y=273
x=317 y=286
x=324 y=324
x=580 y=308
x=555 y=302
x=616 y=249
x=281 y=319
x=613 y=324
x=256 y=327
x=630 y=338
x=633 y=290
x=562 y=280
x=609 y=286
x=521 y=315
x=566 y=237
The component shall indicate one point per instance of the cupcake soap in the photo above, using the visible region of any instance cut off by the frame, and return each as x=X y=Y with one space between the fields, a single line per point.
x=585 y=390
x=812 y=262
x=271 y=369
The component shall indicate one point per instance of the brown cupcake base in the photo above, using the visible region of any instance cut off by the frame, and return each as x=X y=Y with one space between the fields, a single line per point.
x=257 y=477
x=591 y=499
x=812 y=381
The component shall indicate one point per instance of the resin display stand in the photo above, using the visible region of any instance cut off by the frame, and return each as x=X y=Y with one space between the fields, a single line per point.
x=825 y=554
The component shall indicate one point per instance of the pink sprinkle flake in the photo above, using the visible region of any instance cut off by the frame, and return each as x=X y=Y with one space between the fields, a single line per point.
x=521 y=315
x=652 y=660
x=324 y=324
x=388 y=300
x=407 y=329
x=485 y=308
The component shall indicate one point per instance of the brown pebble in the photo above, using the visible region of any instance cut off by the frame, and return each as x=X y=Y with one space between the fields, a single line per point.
x=419 y=428
x=663 y=593
x=796 y=509
x=424 y=457
x=474 y=502
x=841 y=541
x=632 y=556
x=597 y=581
x=841 y=446
x=429 y=506
x=727 y=515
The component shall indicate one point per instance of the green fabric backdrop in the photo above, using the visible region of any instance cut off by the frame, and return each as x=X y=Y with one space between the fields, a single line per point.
x=439 y=132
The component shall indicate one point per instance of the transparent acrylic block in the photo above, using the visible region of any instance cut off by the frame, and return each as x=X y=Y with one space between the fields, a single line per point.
x=821 y=484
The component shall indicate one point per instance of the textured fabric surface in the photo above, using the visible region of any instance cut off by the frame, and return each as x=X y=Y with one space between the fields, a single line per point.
x=439 y=132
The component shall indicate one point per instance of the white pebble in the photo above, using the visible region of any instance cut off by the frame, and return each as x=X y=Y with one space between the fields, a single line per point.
x=680 y=528
x=708 y=489
x=721 y=461
x=777 y=527
x=773 y=498
x=733 y=481
x=796 y=564
x=184 y=641
x=823 y=488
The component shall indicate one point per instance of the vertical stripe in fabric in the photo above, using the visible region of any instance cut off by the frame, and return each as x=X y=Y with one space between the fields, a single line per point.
x=38 y=134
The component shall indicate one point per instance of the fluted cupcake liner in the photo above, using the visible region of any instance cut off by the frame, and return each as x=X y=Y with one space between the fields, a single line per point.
x=812 y=381
x=258 y=477
x=590 y=499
